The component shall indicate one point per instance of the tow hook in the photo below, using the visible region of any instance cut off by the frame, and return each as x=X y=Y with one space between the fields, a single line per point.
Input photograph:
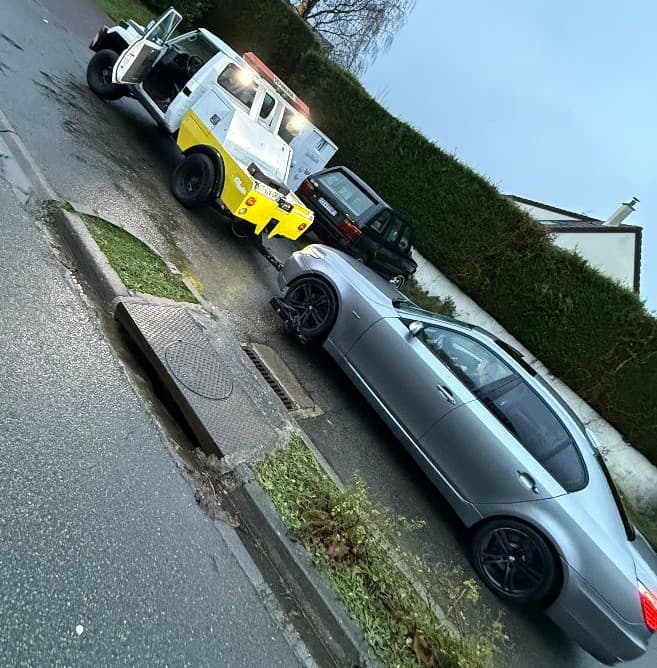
x=290 y=317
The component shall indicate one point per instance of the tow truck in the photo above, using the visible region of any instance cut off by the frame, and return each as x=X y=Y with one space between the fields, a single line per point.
x=246 y=137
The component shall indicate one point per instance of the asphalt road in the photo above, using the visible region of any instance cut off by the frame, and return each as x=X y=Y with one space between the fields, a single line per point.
x=113 y=158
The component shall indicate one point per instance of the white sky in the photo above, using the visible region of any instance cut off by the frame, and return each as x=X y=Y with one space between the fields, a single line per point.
x=554 y=101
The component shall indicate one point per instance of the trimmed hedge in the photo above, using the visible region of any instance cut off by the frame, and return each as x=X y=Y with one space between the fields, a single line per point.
x=592 y=333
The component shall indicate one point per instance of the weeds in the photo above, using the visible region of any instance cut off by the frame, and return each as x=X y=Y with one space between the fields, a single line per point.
x=428 y=302
x=346 y=536
x=120 y=10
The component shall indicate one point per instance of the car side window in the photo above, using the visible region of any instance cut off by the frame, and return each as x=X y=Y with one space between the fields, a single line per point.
x=532 y=422
x=379 y=223
x=474 y=364
x=404 y=243
x=267 y=107
x=392 y=231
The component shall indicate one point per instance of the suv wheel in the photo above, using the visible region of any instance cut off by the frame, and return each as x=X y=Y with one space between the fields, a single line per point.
x=398 y=281
x=99 y=75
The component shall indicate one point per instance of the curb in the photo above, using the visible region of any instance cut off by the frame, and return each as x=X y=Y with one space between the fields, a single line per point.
x=312 y=592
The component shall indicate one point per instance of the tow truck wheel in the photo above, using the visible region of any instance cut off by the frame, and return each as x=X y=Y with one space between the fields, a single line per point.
x=193 y=182
x=99 y=75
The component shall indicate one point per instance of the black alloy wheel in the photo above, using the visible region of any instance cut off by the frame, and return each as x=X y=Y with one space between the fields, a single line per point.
x=515 y=562
x=316 y=306
x=193 y=182
x=99 y=75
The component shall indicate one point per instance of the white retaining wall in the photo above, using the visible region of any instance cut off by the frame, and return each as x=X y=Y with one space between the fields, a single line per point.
x=634 y=473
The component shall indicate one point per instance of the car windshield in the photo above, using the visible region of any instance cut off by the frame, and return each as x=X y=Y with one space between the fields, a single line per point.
x=353 y=198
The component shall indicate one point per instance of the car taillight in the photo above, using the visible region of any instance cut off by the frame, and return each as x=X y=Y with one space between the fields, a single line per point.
x=250 y=201
x=649 y=606
x=351 y=231
x=307 y=188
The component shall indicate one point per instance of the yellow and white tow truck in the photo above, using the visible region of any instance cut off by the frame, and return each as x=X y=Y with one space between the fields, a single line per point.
x=246 y=138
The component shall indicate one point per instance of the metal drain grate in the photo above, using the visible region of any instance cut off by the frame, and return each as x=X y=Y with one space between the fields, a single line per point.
x=269 y=378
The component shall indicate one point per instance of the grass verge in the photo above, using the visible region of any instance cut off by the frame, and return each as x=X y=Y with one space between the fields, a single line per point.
x=139 y=267
x=426 y=301
x=119 y=10
x=343 y=532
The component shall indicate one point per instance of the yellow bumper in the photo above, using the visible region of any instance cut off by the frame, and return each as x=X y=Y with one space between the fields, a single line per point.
x=245 y=197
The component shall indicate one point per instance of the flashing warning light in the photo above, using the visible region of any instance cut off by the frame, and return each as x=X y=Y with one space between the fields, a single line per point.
x=277 y=83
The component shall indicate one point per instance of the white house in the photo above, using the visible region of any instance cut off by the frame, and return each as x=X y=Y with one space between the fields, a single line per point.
x=611 y=247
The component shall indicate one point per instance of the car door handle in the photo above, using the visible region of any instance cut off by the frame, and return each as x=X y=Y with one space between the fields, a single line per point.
x=528 y=482
x=447 y=394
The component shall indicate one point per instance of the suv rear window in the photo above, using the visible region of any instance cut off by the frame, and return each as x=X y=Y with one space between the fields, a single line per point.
x=354 y=200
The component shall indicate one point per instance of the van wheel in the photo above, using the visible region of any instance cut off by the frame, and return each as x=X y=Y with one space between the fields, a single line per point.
x=193 y=182
x=99 y=75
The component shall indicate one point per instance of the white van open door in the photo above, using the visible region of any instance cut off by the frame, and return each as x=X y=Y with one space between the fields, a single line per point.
x=136 y=61
x=311 y=151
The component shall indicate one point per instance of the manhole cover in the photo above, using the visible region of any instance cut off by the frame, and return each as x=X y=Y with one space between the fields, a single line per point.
x=199 y=369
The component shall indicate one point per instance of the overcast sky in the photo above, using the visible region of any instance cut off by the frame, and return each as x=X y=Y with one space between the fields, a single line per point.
x=554 y=101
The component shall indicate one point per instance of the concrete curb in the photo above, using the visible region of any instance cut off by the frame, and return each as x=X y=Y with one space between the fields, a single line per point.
x=310 y=588
x=90 y=259
x=312 y=592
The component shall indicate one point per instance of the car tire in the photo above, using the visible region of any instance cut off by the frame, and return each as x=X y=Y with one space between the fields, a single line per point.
x=194 y=181
x=99 y=75
x=315 y=302
x=515 y=562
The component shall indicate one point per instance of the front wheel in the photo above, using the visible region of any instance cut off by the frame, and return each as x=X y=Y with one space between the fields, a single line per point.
x=99 y=75
x=515 y=562
x=193 y=182
x=315 y=303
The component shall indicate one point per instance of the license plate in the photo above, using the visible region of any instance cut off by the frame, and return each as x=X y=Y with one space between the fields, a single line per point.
x=285 y=205
x=327 y=206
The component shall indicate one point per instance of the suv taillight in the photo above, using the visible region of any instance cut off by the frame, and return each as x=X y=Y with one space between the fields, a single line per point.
x=649 y=606
x=351 y=231
x=306 y=187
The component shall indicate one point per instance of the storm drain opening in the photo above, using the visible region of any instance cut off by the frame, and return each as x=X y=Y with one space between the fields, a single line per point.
x=264 y=371
x=280 y=378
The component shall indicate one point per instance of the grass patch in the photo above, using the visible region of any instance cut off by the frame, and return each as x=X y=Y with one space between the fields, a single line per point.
x=119 y=10
x=139 y=267
x=343 y=530
x=428 y=302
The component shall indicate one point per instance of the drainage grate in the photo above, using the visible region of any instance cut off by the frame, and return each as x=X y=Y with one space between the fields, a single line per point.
x=269 y=378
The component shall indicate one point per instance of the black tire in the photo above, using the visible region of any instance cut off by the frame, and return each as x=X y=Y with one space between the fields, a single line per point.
x=99 y=75
x=515 y=562
x=194 y=181
x=316 y=304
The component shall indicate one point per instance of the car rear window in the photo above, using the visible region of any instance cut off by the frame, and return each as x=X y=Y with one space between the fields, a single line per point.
x=539 y=430
x=350 y=196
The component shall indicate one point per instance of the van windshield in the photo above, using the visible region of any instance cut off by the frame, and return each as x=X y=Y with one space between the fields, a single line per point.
x=354 y=200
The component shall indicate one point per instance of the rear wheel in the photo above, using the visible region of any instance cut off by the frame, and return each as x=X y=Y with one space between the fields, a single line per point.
x=515 y=562
x=316 y=305
x=99 y=75
x=194 y=181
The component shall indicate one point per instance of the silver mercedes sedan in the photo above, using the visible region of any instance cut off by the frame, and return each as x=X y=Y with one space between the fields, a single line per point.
x=522 y=472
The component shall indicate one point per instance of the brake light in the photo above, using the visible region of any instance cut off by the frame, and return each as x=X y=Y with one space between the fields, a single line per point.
x=649 y=606
x=251 y=201
x=302 y=227
x=351 y=231
x=307 y=187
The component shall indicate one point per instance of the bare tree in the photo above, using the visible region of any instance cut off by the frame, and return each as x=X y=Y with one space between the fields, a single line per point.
x=356 y=30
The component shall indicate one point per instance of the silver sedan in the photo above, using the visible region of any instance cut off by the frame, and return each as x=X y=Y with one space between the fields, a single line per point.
x=522 y=472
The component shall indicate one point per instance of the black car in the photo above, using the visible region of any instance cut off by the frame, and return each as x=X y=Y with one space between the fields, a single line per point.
x=351 y=216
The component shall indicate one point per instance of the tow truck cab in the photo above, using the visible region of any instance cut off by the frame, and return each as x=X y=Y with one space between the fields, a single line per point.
x=231 y=108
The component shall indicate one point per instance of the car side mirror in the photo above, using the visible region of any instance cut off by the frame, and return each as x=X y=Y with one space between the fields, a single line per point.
x=415 y=328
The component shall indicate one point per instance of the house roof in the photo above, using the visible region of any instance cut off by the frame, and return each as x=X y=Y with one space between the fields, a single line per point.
x=568 y=215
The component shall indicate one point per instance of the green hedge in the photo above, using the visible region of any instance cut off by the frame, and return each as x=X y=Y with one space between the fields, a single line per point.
x=592 y=333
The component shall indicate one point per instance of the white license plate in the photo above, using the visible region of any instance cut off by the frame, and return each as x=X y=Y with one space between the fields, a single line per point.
x=327 y=206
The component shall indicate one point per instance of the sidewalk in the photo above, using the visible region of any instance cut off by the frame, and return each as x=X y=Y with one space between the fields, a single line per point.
x=105 y=557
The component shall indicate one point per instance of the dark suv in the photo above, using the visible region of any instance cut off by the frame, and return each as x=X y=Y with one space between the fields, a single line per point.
x=351 y=216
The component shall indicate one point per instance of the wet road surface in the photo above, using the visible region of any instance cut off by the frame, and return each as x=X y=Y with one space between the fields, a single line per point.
x=112 y=157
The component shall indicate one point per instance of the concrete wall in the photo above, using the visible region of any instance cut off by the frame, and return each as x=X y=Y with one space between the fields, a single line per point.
x=632 y=471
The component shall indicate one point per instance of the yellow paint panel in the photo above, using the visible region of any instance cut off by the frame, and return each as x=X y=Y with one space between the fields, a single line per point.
x=239 y=186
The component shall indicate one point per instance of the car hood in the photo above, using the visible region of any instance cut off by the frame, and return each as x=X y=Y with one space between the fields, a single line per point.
x=372 y=286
